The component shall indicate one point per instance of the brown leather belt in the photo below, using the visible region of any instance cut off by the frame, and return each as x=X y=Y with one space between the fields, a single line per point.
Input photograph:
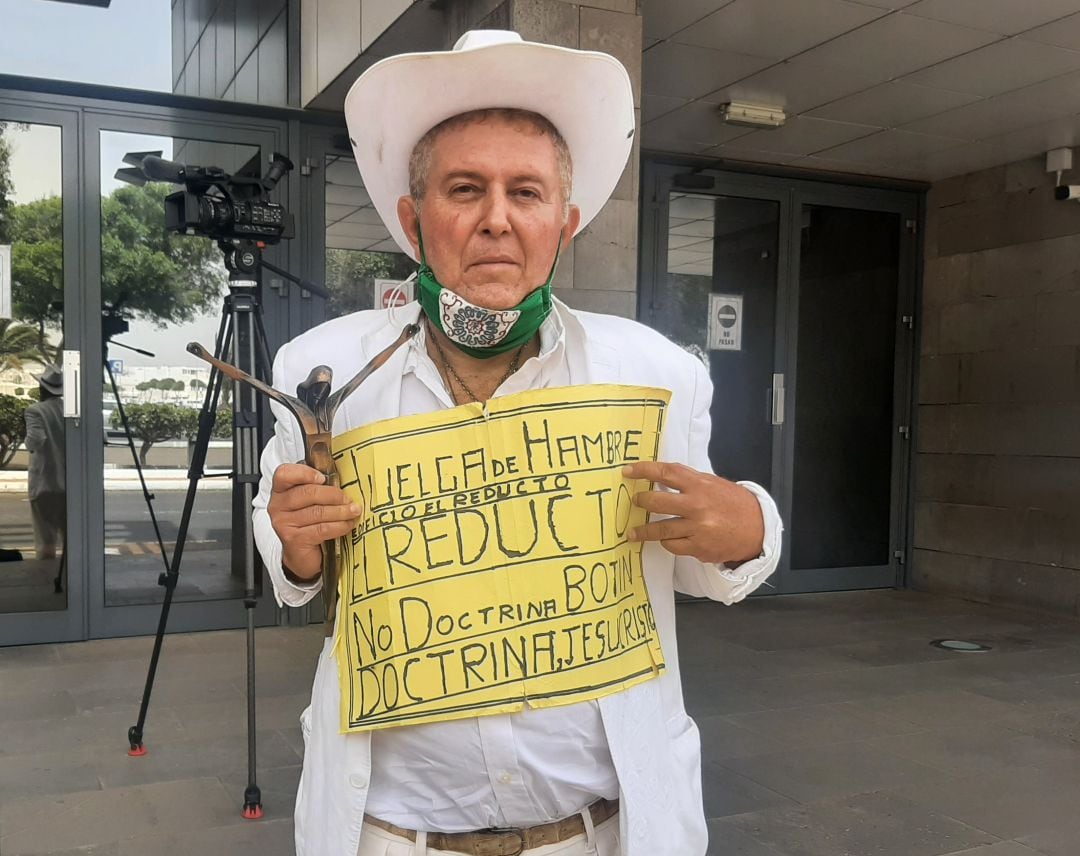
x=506 y=842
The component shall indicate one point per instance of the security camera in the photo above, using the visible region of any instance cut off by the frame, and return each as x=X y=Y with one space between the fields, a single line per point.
x=1067 y=191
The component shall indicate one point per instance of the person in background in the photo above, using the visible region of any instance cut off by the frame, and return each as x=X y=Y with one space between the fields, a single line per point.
x=45 y=479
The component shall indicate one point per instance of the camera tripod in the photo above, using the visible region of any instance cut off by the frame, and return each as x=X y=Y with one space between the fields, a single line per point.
x=111 y=325
x=242 y=335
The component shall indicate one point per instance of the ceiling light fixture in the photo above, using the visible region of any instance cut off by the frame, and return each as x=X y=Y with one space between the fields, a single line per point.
x=752 y=115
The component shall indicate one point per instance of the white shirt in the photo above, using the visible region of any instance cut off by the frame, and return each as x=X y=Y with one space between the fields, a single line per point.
x=653 y=744
x=518 y=769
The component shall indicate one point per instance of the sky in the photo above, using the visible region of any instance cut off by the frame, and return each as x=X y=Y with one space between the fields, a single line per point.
x=129 y=44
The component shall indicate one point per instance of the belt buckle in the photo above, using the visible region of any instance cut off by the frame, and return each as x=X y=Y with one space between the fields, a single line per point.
x=507 y=830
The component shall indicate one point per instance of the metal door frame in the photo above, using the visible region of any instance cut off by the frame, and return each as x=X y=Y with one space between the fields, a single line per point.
x=269 y=136
x=68 y=624
x=659 y=179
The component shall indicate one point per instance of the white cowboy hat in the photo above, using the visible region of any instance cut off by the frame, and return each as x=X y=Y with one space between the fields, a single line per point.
x=586 y=95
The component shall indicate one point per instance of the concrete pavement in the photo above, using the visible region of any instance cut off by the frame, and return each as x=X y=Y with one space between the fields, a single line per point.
x=830 y=727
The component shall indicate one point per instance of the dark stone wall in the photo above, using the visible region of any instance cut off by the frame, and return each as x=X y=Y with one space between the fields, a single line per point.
x=997 y=475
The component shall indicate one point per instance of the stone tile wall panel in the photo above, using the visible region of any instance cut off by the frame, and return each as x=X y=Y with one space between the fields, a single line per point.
x=997 y=469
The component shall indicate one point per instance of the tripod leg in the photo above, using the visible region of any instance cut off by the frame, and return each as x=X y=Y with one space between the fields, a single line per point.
x=147 y=496
x=169 y=578
x=247 y=344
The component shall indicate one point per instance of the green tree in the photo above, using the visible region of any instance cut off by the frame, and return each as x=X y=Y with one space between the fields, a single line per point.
x=146 y=272
x=223 y=424
x=12 y=426
x=37 y=263
x=18 y=344
x=7 y=187
x=155 y=274
x=350 y=275
x=155 y=423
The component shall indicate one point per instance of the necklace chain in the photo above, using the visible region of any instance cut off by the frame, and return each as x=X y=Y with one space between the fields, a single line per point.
x=449 y=368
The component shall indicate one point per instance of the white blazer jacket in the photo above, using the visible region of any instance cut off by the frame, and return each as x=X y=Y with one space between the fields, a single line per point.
x=654 y=744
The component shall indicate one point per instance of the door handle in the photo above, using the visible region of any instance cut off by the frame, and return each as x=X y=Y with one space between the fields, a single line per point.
x=778 y=399
x=72 y=367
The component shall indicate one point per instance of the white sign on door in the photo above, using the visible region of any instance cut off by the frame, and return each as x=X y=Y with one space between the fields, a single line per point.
x=384 y=288
x=5 y=280
x=725 y=322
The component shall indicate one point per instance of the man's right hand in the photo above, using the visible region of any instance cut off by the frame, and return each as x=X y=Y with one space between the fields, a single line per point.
x=305 y=511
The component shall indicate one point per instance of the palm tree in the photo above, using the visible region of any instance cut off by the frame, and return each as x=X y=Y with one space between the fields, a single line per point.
x=18 y=343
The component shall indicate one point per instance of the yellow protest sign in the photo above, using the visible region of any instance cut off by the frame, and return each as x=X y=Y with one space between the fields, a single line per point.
x=491 y=567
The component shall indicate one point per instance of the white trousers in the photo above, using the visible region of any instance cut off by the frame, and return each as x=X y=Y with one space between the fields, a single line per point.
x=603 y=840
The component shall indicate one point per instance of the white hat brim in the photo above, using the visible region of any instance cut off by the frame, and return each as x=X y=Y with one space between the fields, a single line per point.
x=586 y=95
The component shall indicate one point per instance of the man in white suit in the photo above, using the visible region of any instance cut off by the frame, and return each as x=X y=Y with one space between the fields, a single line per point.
x=484 y=162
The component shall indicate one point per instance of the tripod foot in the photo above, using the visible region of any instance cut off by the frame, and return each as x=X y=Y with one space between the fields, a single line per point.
x=136 y=749
x=252 y=803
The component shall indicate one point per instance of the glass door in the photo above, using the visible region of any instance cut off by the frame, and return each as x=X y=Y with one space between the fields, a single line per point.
x=156 y=292
x=851 y=341
x=797 y=296
x=717 y=298
x=345 y=247
x=41 y=436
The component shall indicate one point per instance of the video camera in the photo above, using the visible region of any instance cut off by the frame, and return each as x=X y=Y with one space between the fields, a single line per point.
x=214 y=204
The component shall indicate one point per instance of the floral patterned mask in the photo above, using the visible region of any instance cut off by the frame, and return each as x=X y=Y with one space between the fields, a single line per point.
x=477 y=331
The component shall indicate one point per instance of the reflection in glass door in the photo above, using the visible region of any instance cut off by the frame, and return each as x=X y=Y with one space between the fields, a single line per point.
x=360 y=253
x=793 y=292
x=34 y=442
x=160 y=291
x=849 y=273
x=722 y=254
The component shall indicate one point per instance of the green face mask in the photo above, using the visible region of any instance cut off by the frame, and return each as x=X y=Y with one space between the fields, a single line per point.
x=477 y=331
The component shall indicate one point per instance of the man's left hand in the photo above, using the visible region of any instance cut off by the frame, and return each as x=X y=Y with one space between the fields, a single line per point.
x=713 y=519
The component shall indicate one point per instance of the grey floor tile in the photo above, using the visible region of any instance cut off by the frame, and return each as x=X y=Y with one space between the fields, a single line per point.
x=806 y=690
x=726 y=840
x=1034 y=695
x=81 y=731
x=722 y=738
x=1023 y=665
x=27 y=656
x=45 y=773
x=229 y=716
x=814 y=725
x=705 y=694
x=1002 y=848
x=726 y=792
x=1060 y=839
x=978 y=749
x=1062 y=726
x=889 y=652
x=294 y=737
x=171 y=760
x=835 y=700
x=41 y=825
x=1025 y=802
x=807 y=661
x=266 y=837
x=19 y=705
x=881 y=824
x=178 y=691
x=823 y=772
x=938 y=709
x=128 y=648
